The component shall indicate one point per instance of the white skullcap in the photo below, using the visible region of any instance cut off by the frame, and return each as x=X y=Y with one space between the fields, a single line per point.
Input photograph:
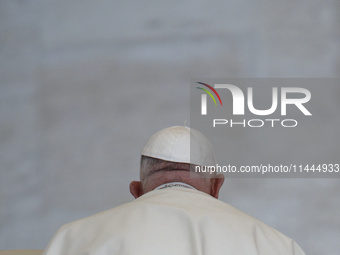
x=173 y=144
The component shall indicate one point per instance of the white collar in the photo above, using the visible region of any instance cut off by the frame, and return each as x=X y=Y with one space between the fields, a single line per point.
x=174 y=184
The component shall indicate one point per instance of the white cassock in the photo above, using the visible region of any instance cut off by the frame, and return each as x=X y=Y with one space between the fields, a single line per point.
x=171 y=221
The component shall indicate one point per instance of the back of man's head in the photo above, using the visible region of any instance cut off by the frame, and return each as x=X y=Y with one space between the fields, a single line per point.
x=169 y=155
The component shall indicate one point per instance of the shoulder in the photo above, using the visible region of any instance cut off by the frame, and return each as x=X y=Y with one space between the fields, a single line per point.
x=74 y=235
x=94 y=223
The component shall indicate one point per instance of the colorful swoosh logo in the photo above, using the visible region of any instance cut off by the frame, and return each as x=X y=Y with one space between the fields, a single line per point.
x=209 y=93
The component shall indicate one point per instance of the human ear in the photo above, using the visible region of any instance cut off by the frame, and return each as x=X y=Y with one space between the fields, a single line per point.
x=136 y=189
x=216 y=185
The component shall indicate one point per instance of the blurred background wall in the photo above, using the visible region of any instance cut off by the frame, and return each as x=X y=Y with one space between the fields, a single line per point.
x=84 y=83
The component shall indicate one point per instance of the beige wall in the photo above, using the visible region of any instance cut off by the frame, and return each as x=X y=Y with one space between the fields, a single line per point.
x=84 y=83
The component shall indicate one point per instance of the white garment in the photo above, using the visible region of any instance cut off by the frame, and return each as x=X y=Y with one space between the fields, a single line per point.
x=175 y=184
x=171 y=221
